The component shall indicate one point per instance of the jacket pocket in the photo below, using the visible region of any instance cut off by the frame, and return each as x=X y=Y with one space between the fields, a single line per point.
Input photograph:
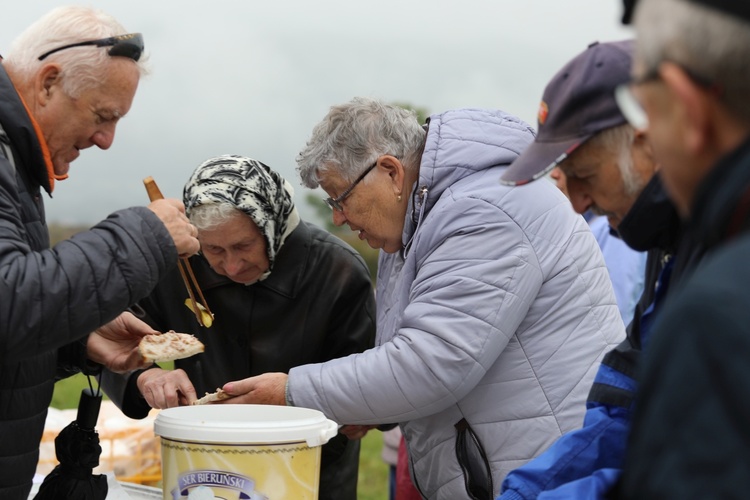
x=473 y=461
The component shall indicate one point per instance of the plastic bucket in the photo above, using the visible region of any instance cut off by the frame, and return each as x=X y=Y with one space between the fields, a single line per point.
x=255 y=452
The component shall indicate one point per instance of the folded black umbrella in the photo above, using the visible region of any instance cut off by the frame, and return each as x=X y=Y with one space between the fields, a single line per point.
x=77 y=448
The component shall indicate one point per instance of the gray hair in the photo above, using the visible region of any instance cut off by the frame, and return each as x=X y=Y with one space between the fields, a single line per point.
x=211 y=215
x=620 y=140
x=703 y=40
x=353 y=135
x=82 y=68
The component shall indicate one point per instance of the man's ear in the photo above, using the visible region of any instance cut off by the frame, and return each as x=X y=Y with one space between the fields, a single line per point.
x=694 y=106
x=643 y=147
x=395 y=170
x=47 y=82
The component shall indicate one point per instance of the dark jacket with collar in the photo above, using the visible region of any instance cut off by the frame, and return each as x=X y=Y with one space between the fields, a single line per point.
x=690 y=428
x=53 y=298
x=316 y=305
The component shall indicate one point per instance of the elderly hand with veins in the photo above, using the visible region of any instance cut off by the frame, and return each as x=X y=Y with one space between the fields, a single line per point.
x=166 y=388
x=265 y=389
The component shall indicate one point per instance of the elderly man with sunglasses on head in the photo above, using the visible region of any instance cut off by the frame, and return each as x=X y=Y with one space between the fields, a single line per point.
x=690 y=87
x=64 y=85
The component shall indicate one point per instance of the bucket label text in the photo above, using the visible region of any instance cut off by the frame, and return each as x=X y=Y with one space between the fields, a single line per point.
x=187 y=481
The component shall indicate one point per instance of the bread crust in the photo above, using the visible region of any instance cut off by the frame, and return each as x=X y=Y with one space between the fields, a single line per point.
x=169 y=346
x=211 y=397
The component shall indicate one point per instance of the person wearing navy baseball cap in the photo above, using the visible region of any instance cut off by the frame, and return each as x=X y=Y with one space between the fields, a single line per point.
x=581 y=128
x=609 y=169
x=690 y=87
x=579 y=106
x=577 y=103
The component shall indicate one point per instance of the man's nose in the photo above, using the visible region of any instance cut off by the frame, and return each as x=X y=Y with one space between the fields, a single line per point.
x=579 y=198
x=104 y=136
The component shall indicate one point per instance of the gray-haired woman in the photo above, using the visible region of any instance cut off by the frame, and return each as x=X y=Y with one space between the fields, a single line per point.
x=494 y=303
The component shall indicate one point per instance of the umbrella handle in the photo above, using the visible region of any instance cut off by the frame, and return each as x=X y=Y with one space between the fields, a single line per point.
x=88 y=409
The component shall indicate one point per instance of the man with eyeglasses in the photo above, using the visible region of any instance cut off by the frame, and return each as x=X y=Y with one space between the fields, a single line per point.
x=64 y=85
x=609 y=169
x=691 y=77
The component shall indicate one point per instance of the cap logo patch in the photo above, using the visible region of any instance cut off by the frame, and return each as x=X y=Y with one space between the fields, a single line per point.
x=543 y=112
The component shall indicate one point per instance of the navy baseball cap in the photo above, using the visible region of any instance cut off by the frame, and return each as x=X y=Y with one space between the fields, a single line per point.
x=735 y=8
x=578 y=103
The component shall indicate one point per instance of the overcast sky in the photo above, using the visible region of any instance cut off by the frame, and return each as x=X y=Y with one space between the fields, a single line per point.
x=253 y=77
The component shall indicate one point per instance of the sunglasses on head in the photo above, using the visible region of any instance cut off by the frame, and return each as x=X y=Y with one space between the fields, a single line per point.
x=130 y=46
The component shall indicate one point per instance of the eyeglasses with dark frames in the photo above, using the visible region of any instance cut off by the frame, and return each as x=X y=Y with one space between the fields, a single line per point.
x=335 y=203
x=632 y=109
x=129 y=45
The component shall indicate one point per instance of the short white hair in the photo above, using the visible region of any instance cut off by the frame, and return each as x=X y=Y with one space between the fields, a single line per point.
x=81 y=69
x=353 y=135
x=619 y=140
x=703 y=40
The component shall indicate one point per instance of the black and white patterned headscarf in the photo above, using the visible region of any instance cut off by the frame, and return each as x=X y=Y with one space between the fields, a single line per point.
x=253 y=188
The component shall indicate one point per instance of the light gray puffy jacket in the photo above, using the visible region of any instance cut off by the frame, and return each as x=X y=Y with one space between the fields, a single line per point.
x=497 y=312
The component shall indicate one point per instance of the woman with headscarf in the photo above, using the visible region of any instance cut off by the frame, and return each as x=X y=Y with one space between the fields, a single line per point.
x=283 y=292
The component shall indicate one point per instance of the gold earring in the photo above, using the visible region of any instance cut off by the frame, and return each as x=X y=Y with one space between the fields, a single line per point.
x=398 y=197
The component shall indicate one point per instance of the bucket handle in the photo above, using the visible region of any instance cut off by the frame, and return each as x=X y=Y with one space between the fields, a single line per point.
x=331 y=429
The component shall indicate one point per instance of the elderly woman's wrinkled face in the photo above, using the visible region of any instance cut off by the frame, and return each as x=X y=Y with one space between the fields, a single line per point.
x=236 y=249
x=372 y=208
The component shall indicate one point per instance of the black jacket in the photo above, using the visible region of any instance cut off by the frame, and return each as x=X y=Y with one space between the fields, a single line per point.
x=317 y=305
x=652 y=225
x=53 y=298
x=690 y=435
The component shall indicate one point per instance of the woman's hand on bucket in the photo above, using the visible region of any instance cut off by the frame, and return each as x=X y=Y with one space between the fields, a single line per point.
x=266 y=389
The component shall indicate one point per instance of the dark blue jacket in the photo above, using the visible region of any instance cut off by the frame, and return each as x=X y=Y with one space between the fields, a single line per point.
x=690 y=433
x=52 y=298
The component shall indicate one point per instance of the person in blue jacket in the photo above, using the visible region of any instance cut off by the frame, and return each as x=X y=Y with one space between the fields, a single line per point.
x=610 y=170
